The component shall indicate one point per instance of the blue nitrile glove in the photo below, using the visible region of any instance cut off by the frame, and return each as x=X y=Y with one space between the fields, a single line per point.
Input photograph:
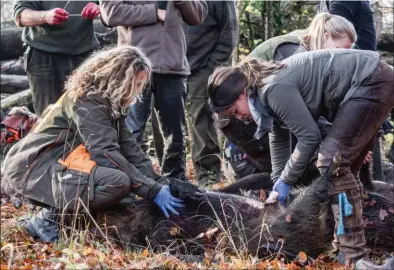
x=283 y=189
x=166 y=201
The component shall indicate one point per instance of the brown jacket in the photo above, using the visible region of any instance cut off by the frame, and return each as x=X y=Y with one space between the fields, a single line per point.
x=68 y=128
x=163 y=42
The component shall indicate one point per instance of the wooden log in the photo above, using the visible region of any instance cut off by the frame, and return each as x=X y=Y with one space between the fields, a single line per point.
x=23 y=98
x=14 y=67
x=13 y=84
x=11 y=46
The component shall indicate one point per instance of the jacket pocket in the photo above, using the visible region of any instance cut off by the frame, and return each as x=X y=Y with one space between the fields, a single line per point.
x=70 y=188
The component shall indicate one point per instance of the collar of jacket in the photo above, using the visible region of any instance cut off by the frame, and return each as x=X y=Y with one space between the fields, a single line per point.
x=261 y=116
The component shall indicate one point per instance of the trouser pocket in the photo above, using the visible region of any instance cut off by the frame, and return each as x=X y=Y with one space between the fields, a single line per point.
x=70 y=188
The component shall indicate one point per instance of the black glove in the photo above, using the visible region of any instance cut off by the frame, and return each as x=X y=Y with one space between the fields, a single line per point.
x=185 y=190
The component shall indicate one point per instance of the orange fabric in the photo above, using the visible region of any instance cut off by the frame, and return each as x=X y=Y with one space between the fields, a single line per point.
x=80 y=160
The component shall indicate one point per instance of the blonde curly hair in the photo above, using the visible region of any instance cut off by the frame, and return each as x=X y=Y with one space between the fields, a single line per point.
x=112 y=73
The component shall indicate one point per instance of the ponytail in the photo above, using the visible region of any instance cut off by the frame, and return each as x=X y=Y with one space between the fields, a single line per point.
x=337 y=26
x=226 y=84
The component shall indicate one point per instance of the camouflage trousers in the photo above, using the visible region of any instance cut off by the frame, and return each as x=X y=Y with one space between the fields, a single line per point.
x=353 y=133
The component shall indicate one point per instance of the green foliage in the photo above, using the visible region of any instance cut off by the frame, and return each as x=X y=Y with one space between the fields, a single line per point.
x=260 y=20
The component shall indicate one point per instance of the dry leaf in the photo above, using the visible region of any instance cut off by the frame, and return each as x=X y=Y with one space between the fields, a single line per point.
x=382 y=214
x=302 y=257
x=28 y=267
x=91 y=261
x=238 y=263
x=174 y=231
x=87 y=251
x=44 y=248
x=288 y=218
x=145 y=253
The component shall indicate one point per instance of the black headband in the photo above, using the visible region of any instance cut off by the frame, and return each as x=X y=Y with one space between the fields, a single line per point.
x=224 y=96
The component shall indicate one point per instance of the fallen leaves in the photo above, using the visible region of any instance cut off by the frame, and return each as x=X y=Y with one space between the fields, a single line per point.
x=302 y=257
x=174 y=231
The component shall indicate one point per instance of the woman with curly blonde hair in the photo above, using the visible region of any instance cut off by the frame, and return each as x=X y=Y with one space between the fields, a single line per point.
x=81 y=152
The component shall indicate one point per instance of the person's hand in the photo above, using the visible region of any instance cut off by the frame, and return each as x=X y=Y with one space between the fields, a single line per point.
x=367 y=158
x=91 y=11
x=166 y=201
x=55 y=16
x=186 y=190
x=161 y=14
x=279 y=192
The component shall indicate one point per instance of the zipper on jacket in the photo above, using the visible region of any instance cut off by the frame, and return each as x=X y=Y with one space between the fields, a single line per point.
x=161 y=48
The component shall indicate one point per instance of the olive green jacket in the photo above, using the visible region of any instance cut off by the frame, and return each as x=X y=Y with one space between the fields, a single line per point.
x=65 y=126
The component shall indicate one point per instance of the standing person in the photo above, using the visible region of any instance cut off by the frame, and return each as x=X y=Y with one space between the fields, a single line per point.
x=350 y=88
x=59 y=36
x=82 y=150
x=325 y=31
x=156 y=27
x=361 y=15
x=209 y=45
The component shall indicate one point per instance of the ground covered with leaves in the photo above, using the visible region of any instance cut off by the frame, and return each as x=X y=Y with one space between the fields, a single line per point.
x=86 y=250
x=82 y=250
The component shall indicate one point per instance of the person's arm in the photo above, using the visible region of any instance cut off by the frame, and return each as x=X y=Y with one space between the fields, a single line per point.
x=30 y=14
x=280 y=150
x=132 y=152
x=228 y=35
x=100 y=139
x=128 y=13
x=287 y=103
x=193 y=12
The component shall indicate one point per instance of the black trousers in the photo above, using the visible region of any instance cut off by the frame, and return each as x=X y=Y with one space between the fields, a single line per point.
x=169 y=93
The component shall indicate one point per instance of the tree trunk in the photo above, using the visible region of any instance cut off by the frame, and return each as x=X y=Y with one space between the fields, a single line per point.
x=14 y=67
x=12 y=46
x=23 y=98
x=12 y=84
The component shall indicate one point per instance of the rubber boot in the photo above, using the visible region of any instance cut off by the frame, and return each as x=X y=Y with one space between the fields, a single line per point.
x=43 y=225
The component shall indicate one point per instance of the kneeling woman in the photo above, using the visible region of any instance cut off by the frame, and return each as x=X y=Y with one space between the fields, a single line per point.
x=81 y=151
x=350 y=88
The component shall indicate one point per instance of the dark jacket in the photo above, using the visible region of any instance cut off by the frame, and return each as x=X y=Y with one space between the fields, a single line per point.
x=361 y=15
x=66 y=126
x=212 y=42
x=72 y=37
x=163 y=42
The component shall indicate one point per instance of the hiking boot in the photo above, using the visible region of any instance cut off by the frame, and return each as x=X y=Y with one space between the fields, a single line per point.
x=43 y=225
x=365 y=264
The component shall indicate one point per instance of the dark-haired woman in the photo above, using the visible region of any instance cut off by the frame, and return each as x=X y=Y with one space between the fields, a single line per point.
x=352 y=89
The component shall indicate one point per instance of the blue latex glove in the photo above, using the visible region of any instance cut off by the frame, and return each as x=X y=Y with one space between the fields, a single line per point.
x=166 y=201
x=283 y=189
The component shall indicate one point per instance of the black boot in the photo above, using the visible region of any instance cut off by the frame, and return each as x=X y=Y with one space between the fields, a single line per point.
x=43 y=225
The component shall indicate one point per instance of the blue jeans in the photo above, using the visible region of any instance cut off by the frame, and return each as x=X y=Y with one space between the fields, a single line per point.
x=169 y=93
